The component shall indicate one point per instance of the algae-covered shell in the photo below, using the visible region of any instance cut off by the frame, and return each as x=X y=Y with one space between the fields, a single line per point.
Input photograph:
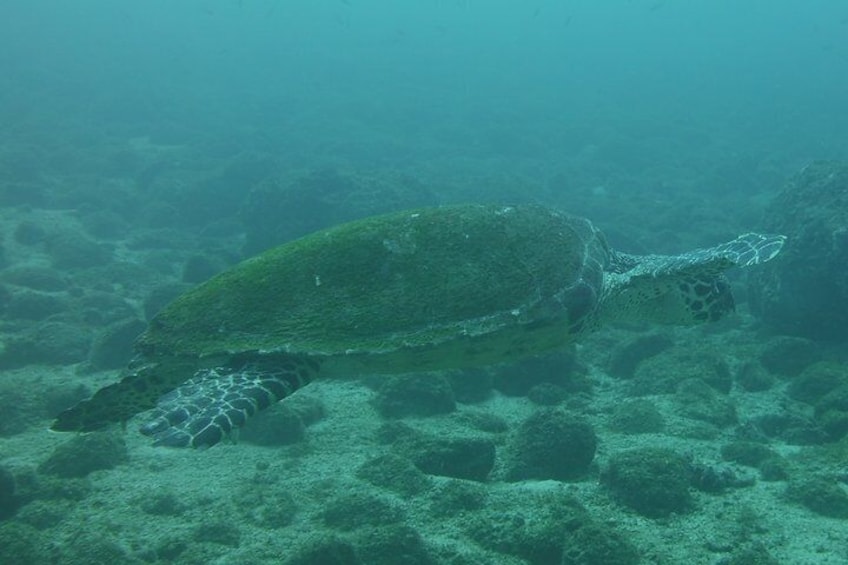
x=436 y=287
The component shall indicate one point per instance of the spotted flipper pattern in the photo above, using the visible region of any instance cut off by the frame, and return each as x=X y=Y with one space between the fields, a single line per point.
x=682 y=289
x=136 y=392
x=214 y=402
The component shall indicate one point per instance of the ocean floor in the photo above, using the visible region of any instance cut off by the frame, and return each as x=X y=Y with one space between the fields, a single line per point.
x=345 y=487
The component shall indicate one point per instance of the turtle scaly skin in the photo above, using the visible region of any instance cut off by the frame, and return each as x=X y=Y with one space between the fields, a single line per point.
x=420 y=290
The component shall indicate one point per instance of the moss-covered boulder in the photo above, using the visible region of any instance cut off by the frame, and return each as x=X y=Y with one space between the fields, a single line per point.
x=596 y=543
x=805 y=293
x=389 y=545
x=48 y=343
x=358 y=509
x=832 y=412
x=697 y=400
x=637 y=416
x=652 y=481
x=7 y=493
x=664 y=372
x=456 y=497
x=324 y=550
x=414 y=395
x=817 y=380
x=551 y=444
x=533 y=526
x=20 y=543
x=560 y=369
x=627 y=356
x=84 y=454
x=788 y=356
x=822 y=495
x=394 y=473
x=113 y=347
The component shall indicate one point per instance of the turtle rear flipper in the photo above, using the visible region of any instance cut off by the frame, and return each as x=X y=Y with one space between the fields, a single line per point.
x=136 y=392
x=214 y=402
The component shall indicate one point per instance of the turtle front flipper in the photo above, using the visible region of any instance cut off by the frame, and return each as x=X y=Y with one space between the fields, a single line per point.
x=214 y=402
x=682 y=289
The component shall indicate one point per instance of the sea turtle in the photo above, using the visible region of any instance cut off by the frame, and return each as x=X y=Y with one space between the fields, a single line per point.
x=418 y=290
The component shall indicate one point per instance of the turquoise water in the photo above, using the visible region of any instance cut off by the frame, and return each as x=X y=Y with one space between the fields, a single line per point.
x=145 y=147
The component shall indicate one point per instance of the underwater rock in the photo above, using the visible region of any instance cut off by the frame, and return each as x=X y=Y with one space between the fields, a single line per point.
x=787 y=356
x=637 y=417
x=596 y=543
x=626 y=358
x=417 y=394
x=266 y=503
x=96 y=548
x=29 y=233
x=20 y=543
x=327 y=550
x=34 y=305
x=560 y=368
x=831 y=412
x=49 y=343
x=22 y=194
x=199 y=268
x=160 y=296
x=817 y=380
x=470 y=385
x=7 y=493
x=279 y=426
x=794 y=429
x=224 y=190
x=664 y=372
x=752 y=554
x=114 y=347
x=547 y=394
x=43 y=514
x=310 y=409
x=84 y=454
x=551 y=444
x=805 y=292
x=101 y=308
x=162 y=503
x=77 y=251
x=5 y=298
x=697 y=400
x=821 y=495
x=389 y=545
x=533 y=528
x=36 y=278
x=483 y=421
x=163 y=240
x=457 y=497
x=279 y=209
x=753 y=377
x=461 y=458
x=774 y=469
x=104 y=224
x=394 y=473
x=358 y=509
x=652 y=481
x=717 y=478
x=217 y=530
x=747 y=453
x=17 y=410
